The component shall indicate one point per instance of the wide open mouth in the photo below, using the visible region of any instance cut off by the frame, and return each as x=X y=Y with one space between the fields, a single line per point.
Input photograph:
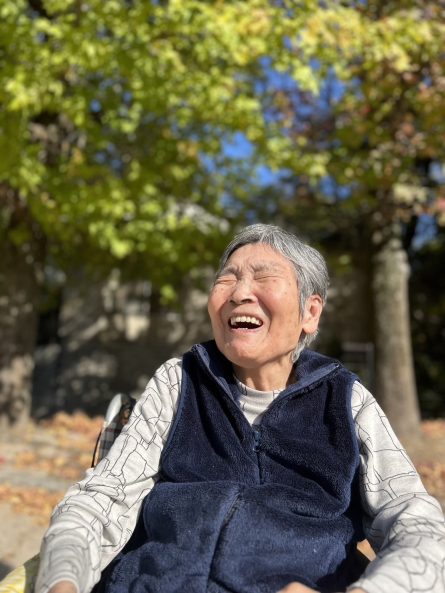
x=245 y=322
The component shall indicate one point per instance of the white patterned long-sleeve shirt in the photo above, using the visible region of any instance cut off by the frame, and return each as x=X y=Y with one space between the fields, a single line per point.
x=93 y=522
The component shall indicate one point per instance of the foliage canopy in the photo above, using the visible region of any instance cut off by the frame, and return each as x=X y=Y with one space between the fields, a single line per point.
x=376 y=130
x=114 y=116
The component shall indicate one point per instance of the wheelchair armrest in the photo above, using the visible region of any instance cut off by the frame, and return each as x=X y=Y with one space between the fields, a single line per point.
x=116 y=416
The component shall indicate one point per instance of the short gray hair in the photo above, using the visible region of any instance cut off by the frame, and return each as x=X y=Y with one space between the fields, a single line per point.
x=310 y=266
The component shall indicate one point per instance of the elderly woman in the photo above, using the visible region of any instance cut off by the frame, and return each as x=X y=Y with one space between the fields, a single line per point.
x=251 y=464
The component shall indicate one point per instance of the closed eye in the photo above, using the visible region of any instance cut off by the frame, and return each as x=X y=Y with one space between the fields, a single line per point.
x=225 y=280
x=266 y=277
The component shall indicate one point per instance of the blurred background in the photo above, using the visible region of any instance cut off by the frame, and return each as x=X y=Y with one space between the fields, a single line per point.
x=136 y=136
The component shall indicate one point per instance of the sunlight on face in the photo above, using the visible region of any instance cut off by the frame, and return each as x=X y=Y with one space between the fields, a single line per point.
x=254 y=311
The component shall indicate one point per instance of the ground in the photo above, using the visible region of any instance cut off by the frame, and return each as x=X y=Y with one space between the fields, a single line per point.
x=37 y=467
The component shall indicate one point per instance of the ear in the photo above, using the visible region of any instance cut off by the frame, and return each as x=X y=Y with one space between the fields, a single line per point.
x=312 y=313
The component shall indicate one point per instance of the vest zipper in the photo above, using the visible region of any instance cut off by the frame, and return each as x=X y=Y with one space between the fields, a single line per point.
x=256 y=430
x=256 y=438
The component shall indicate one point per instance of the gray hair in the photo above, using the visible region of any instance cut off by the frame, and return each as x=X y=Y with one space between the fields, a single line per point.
x=310 y=266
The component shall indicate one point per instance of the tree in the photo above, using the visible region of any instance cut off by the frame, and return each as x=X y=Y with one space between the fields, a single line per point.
x=114 y=117
x=362 y=153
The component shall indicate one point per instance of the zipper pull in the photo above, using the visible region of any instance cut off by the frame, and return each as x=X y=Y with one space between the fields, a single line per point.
x=256 y=439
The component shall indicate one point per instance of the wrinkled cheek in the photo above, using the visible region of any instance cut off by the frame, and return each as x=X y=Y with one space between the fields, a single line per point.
x=212 y=308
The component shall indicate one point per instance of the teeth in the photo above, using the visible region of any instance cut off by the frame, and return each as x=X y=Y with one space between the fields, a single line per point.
x=245 y=319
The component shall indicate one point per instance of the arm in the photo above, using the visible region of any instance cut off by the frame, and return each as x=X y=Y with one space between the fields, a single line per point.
x=97 y=515
x=404 y=525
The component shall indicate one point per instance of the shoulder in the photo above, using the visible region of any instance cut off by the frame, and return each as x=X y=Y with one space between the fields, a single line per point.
x=361 y=400
x=371 y=423
x=164 y=386
x=169 y=373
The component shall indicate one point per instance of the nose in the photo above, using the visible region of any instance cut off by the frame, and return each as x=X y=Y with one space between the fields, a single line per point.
x=242 y=292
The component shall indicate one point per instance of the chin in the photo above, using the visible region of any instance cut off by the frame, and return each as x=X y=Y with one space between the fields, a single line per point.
x=241 y=359
x=239 y=353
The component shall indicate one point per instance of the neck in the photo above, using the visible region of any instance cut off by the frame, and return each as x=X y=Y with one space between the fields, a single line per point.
x=266 y=379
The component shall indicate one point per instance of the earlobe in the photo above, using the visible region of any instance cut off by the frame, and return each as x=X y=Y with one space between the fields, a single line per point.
x=313 y=309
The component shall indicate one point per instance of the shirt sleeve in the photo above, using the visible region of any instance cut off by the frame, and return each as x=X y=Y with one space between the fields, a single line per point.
x=98 y=514
x=403 y=523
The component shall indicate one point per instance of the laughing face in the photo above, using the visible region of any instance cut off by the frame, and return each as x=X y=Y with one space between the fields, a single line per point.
x=254 y=310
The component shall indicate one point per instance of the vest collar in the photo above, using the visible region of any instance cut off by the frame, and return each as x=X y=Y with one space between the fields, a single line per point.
x=310 y=368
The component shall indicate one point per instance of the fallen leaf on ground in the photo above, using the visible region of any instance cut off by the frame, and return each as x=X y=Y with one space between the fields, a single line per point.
x=35 y=502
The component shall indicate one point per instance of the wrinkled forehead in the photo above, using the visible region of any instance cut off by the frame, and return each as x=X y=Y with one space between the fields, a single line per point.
x=257 y=257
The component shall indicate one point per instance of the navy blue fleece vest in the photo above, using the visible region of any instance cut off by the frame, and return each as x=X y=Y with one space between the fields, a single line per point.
x=245 y=509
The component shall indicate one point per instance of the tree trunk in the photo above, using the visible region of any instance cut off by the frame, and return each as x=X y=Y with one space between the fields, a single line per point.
x=19 y=290
x=395 y=379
